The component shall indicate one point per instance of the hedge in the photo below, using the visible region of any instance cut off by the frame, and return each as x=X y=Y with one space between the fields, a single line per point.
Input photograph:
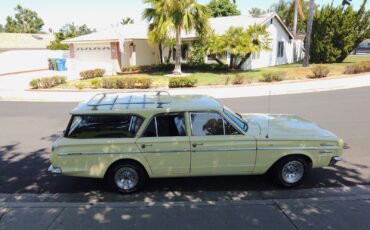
x=181 y=82
x=88 y=74
x=47 y=82
x=122 y=83
x=273 y=76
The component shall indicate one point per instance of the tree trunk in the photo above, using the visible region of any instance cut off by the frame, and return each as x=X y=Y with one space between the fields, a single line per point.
x=169 y=55
x=219 y=61
x=244 y=59
x=231 y=61
x=306 y=61
x=295 y=20
x=177 y=70
x=160 y=52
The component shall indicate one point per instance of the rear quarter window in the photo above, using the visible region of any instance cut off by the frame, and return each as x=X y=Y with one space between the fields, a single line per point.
x=104 y=126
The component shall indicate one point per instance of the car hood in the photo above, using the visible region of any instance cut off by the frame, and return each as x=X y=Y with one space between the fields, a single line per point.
x=286 y=126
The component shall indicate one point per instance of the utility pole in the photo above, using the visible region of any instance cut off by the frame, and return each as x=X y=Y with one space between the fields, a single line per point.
x=311 y=9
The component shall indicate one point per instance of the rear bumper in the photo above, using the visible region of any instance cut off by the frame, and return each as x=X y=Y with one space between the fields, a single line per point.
x=54 y=170
x=334 y=160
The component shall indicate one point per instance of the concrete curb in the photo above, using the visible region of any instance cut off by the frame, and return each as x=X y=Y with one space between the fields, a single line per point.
x=176 y=204
x=361 y=192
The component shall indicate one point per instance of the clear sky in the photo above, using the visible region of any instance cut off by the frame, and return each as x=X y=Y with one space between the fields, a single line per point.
x=102 y=14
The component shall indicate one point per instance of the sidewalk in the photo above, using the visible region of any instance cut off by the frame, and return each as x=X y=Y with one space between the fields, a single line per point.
x=253 y=90
x=349 y=211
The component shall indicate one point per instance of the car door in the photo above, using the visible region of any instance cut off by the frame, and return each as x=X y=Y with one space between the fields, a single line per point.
x=218 y=148
x=166 y=145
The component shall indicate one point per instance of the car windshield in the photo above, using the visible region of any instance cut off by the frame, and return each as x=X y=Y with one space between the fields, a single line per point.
x=241 y=123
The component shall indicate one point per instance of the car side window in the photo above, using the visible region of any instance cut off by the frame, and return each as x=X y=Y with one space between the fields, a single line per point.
x=104 y=126
x=211 y=124
x=166 y=125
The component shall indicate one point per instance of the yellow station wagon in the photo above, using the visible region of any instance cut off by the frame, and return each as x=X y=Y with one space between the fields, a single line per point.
x=128 y=138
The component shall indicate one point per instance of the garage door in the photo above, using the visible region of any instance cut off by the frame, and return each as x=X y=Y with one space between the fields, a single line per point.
x=93 y=56
x=93 y=53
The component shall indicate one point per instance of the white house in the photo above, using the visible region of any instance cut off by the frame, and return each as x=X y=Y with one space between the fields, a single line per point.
x=128 y=45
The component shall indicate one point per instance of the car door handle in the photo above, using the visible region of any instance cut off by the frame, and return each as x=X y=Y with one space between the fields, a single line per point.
x=146 y=145
x=197 y=144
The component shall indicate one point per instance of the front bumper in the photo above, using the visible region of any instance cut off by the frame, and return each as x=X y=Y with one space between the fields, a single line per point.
x=54 y=170
x=334 y=160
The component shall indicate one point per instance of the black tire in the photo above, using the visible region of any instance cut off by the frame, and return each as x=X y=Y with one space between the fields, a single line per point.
x=121 y=168
x=288 y=163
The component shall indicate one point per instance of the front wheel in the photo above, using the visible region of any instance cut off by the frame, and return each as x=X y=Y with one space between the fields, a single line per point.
x=291 y=171
x=127 y=177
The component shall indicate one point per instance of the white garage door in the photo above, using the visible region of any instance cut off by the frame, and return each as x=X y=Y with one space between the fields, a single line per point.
x=93 y=53
x=93 y=56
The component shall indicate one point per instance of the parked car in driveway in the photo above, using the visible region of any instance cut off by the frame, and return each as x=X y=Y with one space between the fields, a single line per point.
x=129 y=138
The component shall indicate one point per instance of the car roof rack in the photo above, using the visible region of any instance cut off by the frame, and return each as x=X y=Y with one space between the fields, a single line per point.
x=143 y=98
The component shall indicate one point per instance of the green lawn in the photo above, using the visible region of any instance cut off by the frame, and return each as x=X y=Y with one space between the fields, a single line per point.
x=293 y=71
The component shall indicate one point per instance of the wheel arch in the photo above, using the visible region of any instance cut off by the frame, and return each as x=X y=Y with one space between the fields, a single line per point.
x=302 y=155
x=127 y=160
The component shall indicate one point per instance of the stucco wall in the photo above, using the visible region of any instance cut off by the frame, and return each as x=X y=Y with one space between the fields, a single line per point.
x=146 y=54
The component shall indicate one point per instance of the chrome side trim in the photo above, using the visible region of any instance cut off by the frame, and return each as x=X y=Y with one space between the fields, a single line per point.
x=95 y=153
x=133 y=152
x=300 y=148
x=225 y=150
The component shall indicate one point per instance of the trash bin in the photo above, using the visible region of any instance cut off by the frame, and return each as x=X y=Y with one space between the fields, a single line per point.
x=61 y=64
x=54 y=64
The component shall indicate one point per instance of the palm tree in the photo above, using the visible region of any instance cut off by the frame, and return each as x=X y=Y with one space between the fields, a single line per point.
x=175 y=16
x=260 y=41
x=298 y=10
x=306 y=60
x=127 y=20
x=240 y=43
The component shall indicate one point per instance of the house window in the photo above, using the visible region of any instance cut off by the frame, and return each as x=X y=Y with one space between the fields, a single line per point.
x=280 y=51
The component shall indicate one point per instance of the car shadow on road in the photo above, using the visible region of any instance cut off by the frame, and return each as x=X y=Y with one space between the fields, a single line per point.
x=27 y=173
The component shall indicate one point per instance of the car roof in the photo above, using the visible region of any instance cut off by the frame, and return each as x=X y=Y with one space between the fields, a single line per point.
x=145 y=103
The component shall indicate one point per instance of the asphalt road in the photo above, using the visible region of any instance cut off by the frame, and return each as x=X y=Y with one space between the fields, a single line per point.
x=27 y=130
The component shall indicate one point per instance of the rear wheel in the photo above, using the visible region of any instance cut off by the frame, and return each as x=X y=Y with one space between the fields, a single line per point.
x=291 y=171
x=127 y=177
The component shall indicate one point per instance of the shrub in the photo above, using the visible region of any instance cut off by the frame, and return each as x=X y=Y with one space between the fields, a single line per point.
x=320 y=71
x=80 y=85
x=47 y=82
x=180 y=82
x=273 y=76
x=88 y=74
x=238 y=80
x=95 y=83
x=35 y=83
x=124 y=83
x=359 y=67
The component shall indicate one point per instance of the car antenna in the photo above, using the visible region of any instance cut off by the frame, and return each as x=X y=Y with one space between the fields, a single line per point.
x=268 y=115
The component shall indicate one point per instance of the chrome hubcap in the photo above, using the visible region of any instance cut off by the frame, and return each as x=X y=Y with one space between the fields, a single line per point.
x=293 y=171
x=126 y=178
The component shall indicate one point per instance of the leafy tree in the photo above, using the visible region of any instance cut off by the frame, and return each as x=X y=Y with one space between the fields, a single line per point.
x=257 y=11
x=222 y=8
x=241 y=43
x=174 y=16
x=127 y=20
x=337 y=31
x=2 y=29
x=66 y=32
x=24 y=21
